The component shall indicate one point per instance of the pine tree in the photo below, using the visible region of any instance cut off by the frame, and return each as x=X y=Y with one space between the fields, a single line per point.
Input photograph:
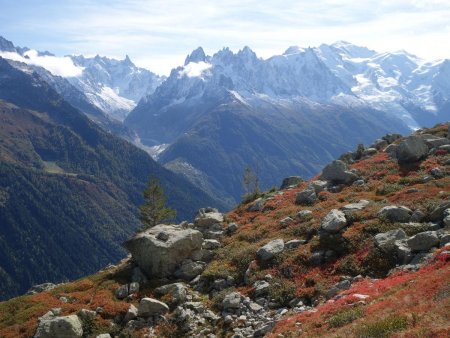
x=154 y=211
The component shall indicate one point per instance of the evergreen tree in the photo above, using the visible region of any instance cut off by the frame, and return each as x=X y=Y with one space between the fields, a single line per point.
x=154 y=211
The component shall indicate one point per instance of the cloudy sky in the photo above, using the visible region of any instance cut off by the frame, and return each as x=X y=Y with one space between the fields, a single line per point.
x=157 y=34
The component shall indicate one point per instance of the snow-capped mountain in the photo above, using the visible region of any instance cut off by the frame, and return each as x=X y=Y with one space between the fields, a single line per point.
x=115 y=86
x=286 y=115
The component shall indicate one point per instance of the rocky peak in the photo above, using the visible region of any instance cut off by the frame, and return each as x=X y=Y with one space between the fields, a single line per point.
x=198 y=55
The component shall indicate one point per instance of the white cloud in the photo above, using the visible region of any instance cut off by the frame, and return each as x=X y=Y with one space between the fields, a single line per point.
x=61 y=66
x=195 y=69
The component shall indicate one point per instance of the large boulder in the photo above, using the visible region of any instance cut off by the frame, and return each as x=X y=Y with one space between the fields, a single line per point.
x=207 y=217
x=270 y=250
x=411 y=149
x=151 y=307
x=423 y=241
x=394 y=213
x=386 y=240
x=61 y=327
x=160 y=258
x=337 y=172
x=334 y=221
x=291 y=181
x=231 y=301
x=360 y=205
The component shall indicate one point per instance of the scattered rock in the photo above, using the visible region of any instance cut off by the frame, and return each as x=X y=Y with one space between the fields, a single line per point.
x=411 y=149
x=307 y=196
x=86 y=315
x=295 y=243
x=103 y=335
x=41 y=288
x=286 y=221
x=257 y=205
x=122 y=292
x=338 y=287
x=207 y=217
x=394 y=213
x=290 y=181
x=131 y=314
x=61 y=327
x=231 y=229
x=160 y=259
x=391 y=150
x=423 y=241
x=261 y=288
x=334 y=221
x=270 y=250
x=391 y=138
x=337 y=172
x=318 y=185
x=356 y=206
x=304 y=214
x=190 y=269
x=417 y=216
x=176 y=291
x=231 y=301
x=438 y=213
x=151 y=307
x=386 y=240
x=211 y=244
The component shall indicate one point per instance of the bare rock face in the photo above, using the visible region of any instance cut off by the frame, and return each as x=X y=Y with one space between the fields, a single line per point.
x=207 y=217
x=160 y=258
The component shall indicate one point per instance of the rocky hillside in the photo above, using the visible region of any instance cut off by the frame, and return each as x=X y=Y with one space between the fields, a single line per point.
x=362 y=250
x=69 y=190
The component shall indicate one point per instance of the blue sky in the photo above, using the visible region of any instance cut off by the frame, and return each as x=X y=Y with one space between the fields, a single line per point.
x=157 y=34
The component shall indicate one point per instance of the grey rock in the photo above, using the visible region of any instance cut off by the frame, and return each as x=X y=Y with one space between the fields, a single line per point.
x=177 y=292
x=304 y=214
x=360 y=205
x=290 y=181
x=444 y=240
x=133 y=288
x=316 y=258
x=390 y=138
x=338 y=287
x=261 y=288
x=151 y=307
x=370 y=151
x=211 y=244
x=263 y=330
x=231 y=301
x=391 y=150
x=207 y=217
x=131 y=314
x=270 y=250
x=386 y=240
x=334 y=221
x=318 y=185
x=417 y=216
x=61 y=327
x=163 y=236
x=411 y=149
x=295 y=243
x=122 y=292
x=438 y=213
x=421 y=258
x=190 y=269
x=403 y=252
x=307 y=196
x=160 y=259
x=435 y=143
x=41 y=288
x=257 y=205
x=86 y=315
x=394 y=213
x=286 y=221
x=437 y=173
x=423 y=241
x=359 y=182
x=231 y=229
x=337 y=172
x=103 y=335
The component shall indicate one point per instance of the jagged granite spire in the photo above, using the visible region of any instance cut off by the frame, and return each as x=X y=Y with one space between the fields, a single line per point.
x=196 y=56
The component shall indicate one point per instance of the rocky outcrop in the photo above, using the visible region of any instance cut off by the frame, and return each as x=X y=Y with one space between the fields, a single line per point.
x=386 y=240
x=161 y=258
x=423 y=241
x=207 y=217
x=307 y=196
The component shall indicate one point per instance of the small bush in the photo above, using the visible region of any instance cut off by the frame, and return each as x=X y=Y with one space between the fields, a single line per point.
x=388 y=188
x=345 y=317
x=349 y=266
x=383 y=328
x=282 y=291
